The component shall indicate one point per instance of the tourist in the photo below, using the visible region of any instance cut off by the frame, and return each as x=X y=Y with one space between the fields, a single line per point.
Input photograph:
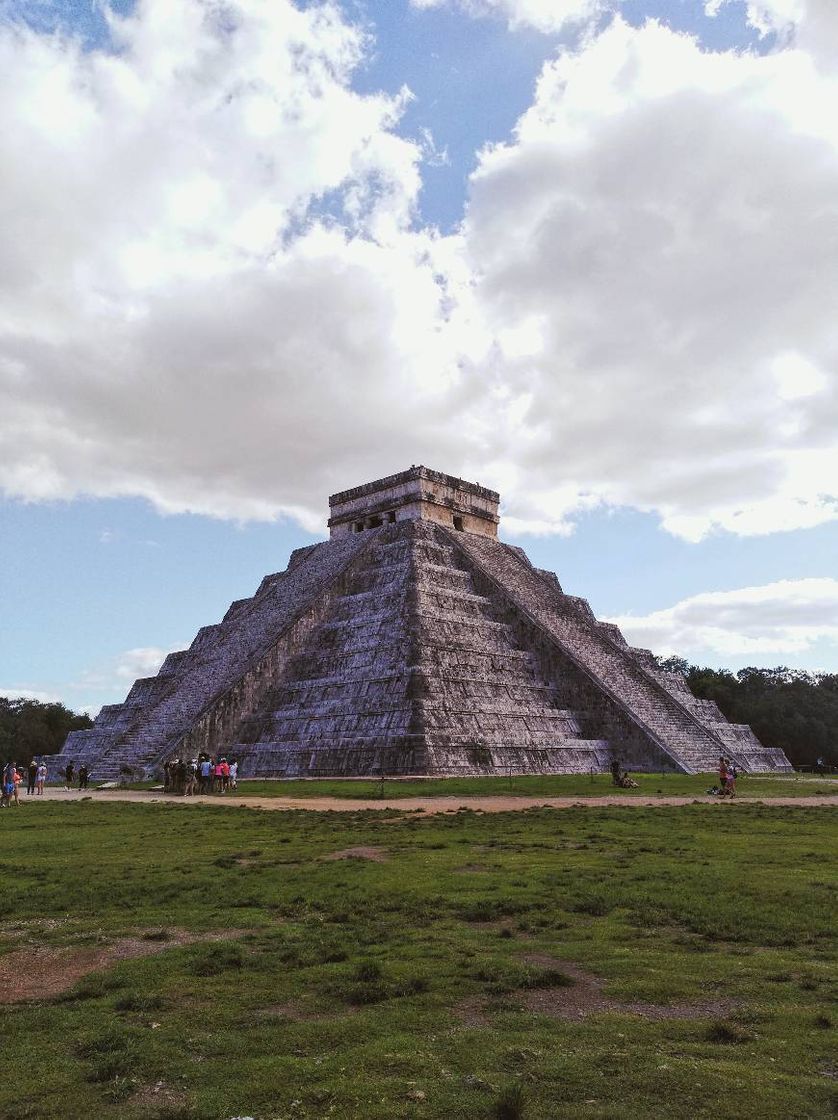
x=31 y=776
x=722 y=776
x=191 y=778
x=41 y=777
x=730 y=788
x=206 y=774
x=234 y=774
x=68 y=775
x=17 y=778
x=218 y=774
x=8 y=784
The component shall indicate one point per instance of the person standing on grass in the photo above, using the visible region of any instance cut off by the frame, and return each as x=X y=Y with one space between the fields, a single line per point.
x=16 y=780
x=68 y=775
x=41 y=777
x=722 y=776
x=731 y=779
x=8 y=784
x=31 y=776
x=234 y=774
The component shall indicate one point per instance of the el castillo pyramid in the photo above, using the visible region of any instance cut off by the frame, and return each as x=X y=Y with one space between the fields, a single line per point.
x=413 y=641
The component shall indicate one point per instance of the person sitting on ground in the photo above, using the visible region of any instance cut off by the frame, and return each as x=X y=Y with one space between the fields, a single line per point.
x=627 y=782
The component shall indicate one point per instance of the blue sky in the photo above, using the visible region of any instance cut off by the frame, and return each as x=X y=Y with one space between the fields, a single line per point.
x=580 y=261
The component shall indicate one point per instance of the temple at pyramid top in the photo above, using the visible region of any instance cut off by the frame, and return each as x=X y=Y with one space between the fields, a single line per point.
x=418 y=494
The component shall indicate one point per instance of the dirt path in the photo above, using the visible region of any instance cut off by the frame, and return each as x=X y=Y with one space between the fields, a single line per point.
x=426 y=804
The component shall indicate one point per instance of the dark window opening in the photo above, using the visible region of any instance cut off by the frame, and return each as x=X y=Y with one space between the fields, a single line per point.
x=359 y=526
x=376 y=522
x=391 y=519
x=458 y=523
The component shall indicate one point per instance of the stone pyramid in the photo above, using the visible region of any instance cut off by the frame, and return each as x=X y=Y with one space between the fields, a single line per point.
x=413 y=641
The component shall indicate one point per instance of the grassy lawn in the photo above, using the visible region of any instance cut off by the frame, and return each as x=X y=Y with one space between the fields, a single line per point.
x=425 y=976
x=550 y=785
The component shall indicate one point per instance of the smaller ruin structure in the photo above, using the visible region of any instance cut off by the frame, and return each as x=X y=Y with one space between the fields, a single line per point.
x=414 y=641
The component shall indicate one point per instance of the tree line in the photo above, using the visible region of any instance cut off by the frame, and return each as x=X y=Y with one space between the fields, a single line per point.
x=791 y=709
x=30 y=727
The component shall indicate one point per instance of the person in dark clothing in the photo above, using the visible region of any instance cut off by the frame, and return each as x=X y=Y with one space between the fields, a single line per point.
x=31 y=776
x=84 y=776
x=68 y=775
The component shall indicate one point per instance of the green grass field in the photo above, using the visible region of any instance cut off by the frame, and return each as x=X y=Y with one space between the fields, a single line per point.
x=550 y=785
x=428 y=982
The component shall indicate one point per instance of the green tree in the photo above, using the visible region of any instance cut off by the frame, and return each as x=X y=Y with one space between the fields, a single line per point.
x=29 y=727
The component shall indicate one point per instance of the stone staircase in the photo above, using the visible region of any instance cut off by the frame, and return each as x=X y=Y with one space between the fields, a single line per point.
x=159 y=711
x=683 y=729
x=412 y=672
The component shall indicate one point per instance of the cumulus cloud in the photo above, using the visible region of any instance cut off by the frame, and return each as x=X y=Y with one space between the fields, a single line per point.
x=655 y=255
x=811 y=25
x=786 y=617
x=216 y=292
x=211 y=294
x=543 y=15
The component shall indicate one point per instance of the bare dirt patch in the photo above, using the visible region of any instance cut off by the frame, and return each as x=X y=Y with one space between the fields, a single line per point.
x=585 y=997
x=160 y=1097
x=472 y=1012
x=471 y=869
x=377 y=855
x=41 y=972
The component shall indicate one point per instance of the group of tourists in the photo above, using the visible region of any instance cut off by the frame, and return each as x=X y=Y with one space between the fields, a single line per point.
x=727 y=779
x=200 y=775
x=36 y=773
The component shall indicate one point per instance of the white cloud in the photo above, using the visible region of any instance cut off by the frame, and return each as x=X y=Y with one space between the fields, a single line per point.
x=211 y=295
x=666 y=217
x=811 y=25
x=543 y=15
x=143 y=661
x=112 y=674
x=787 y=617
x=41 y=695
x=215 y=293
